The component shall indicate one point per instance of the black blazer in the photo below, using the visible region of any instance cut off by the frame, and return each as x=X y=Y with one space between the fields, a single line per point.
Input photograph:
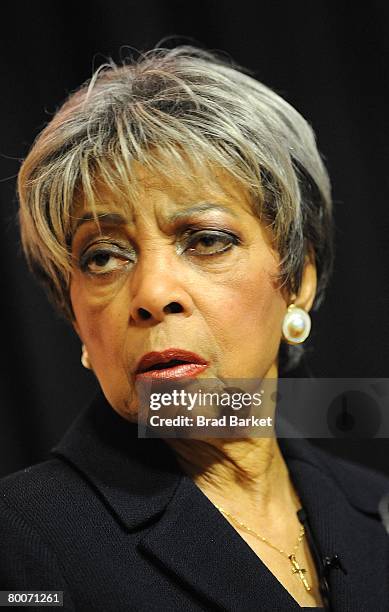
x=113 y=522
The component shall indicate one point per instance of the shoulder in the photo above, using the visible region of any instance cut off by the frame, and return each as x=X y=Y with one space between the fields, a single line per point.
x=29 y=500
x=43 y=483
x=40 y=499
x=53 y=497
x=33 y=499
x=363 y=486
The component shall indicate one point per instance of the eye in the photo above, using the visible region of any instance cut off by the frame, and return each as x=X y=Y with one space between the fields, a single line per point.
x=104 y=260
x=211 y=243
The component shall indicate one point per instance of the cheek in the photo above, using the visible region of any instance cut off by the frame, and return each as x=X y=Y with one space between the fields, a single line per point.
x=104 y=330
x=245 y=318
x=251 y=301
x=101 y=322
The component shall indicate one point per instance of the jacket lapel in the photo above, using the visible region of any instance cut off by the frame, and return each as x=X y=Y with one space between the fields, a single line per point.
x=142 y=484
x=197 y=544
x=135 y=477
x=344 y=520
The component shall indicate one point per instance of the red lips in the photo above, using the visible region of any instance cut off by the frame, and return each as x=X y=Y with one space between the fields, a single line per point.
x=193 y=364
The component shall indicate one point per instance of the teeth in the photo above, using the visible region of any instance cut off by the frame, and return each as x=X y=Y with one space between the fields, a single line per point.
x=168 y=364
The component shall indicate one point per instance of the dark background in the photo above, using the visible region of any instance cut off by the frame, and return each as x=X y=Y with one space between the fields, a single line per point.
x=328 y=59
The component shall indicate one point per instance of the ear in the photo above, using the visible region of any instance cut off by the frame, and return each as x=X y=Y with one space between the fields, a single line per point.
x=306 y=295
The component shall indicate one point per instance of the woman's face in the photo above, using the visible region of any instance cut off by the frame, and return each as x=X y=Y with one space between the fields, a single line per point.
x=195 y=243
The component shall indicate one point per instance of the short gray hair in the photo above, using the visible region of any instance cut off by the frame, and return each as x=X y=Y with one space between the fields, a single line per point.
x=180 y=102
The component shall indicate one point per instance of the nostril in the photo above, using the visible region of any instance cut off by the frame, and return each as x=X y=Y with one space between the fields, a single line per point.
x=173 y=307
x=144 y=314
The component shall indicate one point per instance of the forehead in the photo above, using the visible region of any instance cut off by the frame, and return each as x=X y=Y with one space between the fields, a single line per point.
x=171 y=189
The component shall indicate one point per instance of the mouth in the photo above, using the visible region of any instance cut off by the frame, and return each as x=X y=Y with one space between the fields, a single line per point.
x=170 y=364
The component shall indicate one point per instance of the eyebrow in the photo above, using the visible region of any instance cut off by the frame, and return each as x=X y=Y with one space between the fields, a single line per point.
x=110 y=218
x=203 y=207
x=118 y=219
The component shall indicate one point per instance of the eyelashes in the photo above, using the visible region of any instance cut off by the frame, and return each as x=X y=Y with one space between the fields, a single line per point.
x=104 y=257
x=103 y=261
x=206 y=242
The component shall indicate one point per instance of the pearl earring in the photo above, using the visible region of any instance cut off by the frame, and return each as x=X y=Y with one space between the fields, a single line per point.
x=85 y=358
x=296 y=325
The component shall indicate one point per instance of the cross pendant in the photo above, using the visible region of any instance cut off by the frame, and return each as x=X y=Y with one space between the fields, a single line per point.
x=296 y=569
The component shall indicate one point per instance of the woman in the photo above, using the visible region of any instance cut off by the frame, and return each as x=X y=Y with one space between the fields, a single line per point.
x=179 y=215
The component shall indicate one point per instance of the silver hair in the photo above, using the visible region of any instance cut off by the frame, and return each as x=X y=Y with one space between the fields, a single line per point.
x=181 y=103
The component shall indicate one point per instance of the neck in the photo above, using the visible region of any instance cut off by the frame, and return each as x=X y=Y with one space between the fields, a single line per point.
x=247 y=473
x=244 y=475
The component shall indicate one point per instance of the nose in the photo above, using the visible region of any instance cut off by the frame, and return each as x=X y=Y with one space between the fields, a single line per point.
x=158 y=291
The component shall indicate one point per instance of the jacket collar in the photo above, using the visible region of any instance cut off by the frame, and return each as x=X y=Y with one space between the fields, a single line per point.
x=100 y=443
x=141 y=482
x=136 y=477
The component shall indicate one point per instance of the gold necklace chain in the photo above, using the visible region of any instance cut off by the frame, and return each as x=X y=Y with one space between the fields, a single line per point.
x=296 y=569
